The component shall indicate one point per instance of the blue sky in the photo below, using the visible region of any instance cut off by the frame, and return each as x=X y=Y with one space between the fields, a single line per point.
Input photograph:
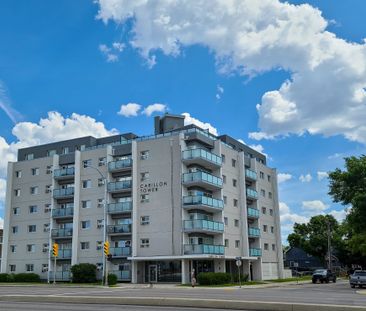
x=86 y=58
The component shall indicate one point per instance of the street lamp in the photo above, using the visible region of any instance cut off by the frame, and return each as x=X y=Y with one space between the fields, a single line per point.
x=104 y=272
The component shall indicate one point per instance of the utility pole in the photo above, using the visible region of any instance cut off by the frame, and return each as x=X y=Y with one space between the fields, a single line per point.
x=329 y=246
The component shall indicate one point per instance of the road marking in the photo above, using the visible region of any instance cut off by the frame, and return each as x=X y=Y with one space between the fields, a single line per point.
x=362 y=292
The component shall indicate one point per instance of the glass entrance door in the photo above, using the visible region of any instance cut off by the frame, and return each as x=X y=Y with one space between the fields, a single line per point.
x=153 y=273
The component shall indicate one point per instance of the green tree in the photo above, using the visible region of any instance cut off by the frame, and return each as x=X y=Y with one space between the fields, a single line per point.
x=349 y=188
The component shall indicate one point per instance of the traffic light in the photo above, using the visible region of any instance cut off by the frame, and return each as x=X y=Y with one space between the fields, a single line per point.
x=106 y=248
x=109 y=257
x=55 y=249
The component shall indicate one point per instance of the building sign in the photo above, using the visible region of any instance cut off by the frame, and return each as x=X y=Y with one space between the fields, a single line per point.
x=153 y=186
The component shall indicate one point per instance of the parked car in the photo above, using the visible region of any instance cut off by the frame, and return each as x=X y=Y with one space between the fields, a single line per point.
x=358 y=278
x=323 y=275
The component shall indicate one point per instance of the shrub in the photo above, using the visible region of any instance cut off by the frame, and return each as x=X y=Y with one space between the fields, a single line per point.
x=25 y=277
x=112 y=279
x=4 y=277
x=243 y=277
x=84 y=273
x=212 y=278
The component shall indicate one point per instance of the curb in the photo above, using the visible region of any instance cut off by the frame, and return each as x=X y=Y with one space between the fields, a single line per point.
x=182 y=302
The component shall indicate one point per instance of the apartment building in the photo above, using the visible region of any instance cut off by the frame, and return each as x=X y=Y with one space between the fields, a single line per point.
x=178 y=200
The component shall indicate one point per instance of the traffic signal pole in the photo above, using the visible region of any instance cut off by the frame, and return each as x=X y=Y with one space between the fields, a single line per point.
x=55 y=254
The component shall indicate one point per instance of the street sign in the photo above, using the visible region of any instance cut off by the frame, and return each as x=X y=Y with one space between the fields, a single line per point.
x=238 y=263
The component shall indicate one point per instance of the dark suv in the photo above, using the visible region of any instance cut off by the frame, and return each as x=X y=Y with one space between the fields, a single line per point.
x=323 y=275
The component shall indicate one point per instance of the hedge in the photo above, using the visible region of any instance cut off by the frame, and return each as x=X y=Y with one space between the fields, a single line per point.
x=84 y=273
x=4 y=277
x=112 y=279
x=24 y=277
x=212 y=278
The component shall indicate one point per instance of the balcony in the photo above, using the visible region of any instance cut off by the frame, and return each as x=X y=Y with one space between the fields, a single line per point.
x=119 y=207
x=120 y=165
x=64 y=173
x=202 y=225
x=251 y=175
x=202 y=179
x=119 y=186
x=119 y=229
x=192 y=249
x=254 y=232
x=63 y=193
x=201 y=157
x=252 y=194
x=202 y=202
x=255 y=252
x=120 y=251
x=67 y=212
x=62 y=276
x=124 y=275
x=64 y=253
x=253 y=213
x=61 y=233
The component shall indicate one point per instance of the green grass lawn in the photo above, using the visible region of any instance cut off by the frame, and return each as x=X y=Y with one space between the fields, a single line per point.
x=227 y=285
x=301 y=278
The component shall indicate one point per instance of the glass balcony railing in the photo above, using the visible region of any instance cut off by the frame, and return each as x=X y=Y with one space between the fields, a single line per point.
x=63 y=212
x=63 y=192
x=64 y=172
x=204 y=249
x=203 y=200
x=120 y=251
x=253 y=212
x=64 y=253
x=202 y=154
x=250 y=174
x=124 y=275
x=202 y=177
x=119 y=185
x=120 y=164
x=255 y=252
x=252 y=194
x=61 y=276
x=112 y=229
x=254 y=232
x=202 y=224
x=62 y=233
x=119 y=207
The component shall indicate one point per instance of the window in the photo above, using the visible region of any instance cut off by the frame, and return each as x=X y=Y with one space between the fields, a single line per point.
x=45 y=267
x=264 y=210
x=264 y=228
x=86 y=183
x=102 y=161
x=32 y=228
x=226 y=221
x=233 y=162
x=273 y=247
x=224 y=179
x=223 y=158
x=84 y=245
x=31 y=248
x=263 y=193
x=51 y=152
x=85 y=224
x=29 y=156
x=12 y=268
x=270 y=195
x=17 y=192
x=100 y=203
x=144 y=155
x=144 y=176
x=266 y=246
x=261 y=175
x=65 y=150
x=34 y=190
x=100 y=223
x=47 y=208
x=235 y=203
x=82 y=147
x=101 y=182
x=226 y=242
x=87 y=163
x=16 y=210
x=48 y=189
x=236 y=222
x=86 y=204
x=234 y=182
x=99 y=245
x=18 y=174
x=35 y=171
x=271 y=212
x=33 y=209
x=269 y=178
x=144 y=198
x=144 y=243
x=29 y=267
x=225 y=199
x=49 y=169
x=13 y=248
x=46 y=228
x=14 y=229
x=144 y=220
x=45 y=248
x=237 y=243
x=272 y=229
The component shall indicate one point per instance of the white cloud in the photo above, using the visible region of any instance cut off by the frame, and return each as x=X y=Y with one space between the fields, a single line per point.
x=259 y=136
x=339 y=215
x=112 y=53
x=149 y=110
x=241 y=141
x=325 y=93
x=258 y=148
x=2 y=191
x=322 y=175
x=315 y=206
x=207 y=126
x=305 y=178
x=288 y=220
x=1 y=223
x=129 y=110
x=282 y=177
x=219 y=92
x=335 y=156
x=6 y=106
